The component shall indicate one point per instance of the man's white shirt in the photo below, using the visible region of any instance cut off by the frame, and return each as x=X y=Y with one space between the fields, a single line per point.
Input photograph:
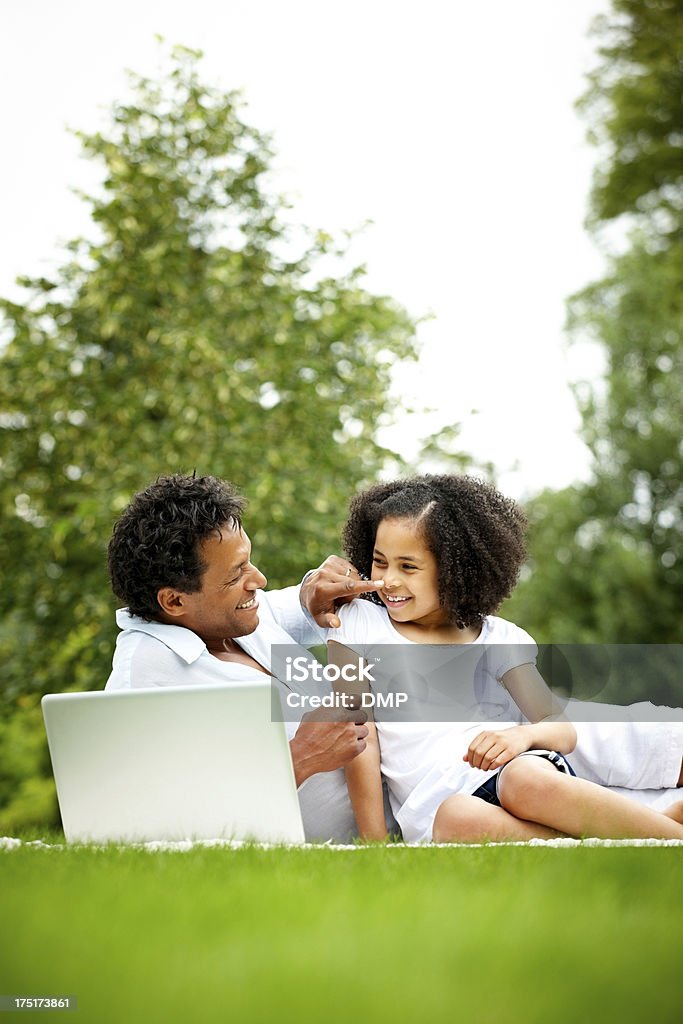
x=156 y=654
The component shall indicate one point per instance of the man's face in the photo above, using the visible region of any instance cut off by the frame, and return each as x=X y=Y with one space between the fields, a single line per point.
x=226 y=605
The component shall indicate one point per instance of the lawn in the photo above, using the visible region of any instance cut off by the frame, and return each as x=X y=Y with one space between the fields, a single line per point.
x=499 y=934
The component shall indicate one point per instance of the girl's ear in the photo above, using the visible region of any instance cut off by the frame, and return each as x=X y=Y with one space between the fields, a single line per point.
x=171 y=602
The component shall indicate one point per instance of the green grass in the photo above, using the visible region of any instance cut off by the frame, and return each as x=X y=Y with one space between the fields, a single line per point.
x=482 y=935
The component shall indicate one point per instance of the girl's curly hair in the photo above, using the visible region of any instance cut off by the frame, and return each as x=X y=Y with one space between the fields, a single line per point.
x=156 y=541
x=475 y=533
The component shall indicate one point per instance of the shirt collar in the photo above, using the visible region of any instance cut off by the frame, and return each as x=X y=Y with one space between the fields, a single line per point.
x=183 y=642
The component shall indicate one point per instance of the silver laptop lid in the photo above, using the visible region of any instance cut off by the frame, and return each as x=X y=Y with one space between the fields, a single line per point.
x=179 y=763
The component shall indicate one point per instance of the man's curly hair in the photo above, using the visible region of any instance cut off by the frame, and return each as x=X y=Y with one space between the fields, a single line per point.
x=156 y=540
x=475 y=533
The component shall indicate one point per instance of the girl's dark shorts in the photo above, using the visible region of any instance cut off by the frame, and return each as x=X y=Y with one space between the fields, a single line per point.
x=489 y=790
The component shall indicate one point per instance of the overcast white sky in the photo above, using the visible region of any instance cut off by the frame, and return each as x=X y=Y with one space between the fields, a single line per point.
x=449 y=124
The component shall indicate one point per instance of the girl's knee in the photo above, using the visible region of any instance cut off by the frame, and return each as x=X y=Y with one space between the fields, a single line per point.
x=525 y=784
x=458 y=819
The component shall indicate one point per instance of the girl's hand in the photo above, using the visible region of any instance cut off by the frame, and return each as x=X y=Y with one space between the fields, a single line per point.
x=494 y=749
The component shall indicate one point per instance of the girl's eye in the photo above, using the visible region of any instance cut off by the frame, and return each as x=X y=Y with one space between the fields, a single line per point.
x=378 y=561
x=410 y=568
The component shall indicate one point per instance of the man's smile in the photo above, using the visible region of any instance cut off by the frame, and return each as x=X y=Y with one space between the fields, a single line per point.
x=251 y=603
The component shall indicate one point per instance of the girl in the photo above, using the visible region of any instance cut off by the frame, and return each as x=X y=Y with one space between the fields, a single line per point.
x=449 y=549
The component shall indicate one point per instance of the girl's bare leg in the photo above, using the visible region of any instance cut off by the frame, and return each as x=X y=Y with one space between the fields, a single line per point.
x=675 y=812
x=532 y=789
x=467 y=819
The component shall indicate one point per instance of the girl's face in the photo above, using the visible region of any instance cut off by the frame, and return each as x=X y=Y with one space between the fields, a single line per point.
x=410 y=573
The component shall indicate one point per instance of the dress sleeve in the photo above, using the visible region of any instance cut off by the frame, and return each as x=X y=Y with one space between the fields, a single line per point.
x=360 y=624
x=509 y=647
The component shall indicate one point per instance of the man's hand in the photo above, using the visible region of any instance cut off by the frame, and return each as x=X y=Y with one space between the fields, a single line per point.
x=327 y=739
x=335 y=582
x=494 y=749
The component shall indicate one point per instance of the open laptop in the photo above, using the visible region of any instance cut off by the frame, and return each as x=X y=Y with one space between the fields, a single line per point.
x=199 y=762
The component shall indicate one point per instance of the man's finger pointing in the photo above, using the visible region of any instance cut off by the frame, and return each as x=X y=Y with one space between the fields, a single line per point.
x=363 y=586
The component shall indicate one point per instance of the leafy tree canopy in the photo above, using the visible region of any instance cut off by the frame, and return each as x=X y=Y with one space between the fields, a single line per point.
x=609 y=555
x=192 y=333
x=633 y=104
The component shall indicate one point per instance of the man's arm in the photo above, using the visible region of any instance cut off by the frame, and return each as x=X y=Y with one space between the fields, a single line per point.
x=287 y=610
x=333 y=583
x=306 y=611
x=326 y=740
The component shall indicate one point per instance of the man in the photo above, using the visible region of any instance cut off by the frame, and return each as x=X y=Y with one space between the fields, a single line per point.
x=196 y=614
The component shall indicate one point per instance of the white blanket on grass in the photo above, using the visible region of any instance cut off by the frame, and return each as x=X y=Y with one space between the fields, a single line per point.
x=185 y=845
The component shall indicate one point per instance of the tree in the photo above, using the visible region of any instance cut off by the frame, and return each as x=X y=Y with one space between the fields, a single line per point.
x=633 y=103
x=622 y=568
x=585 y=582
x=193 y=333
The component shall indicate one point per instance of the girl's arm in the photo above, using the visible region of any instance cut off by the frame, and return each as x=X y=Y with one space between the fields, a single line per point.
x=549 y=729
x=363 y=776
x=364 y=780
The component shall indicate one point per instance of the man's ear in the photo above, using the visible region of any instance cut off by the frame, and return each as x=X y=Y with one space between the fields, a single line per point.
x=172 y=602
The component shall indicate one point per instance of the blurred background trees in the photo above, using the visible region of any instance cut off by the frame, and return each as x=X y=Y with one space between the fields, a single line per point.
x=198 y=331
x=607 y=561
x=190 y=335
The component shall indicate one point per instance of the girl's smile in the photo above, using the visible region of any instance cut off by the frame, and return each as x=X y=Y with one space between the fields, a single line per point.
x=411 y=585
x=410 y=573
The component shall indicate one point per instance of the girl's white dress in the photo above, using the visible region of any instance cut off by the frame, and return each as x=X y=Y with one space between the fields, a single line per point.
x=422 y=761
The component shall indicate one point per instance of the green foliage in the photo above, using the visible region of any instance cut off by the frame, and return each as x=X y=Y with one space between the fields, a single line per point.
x=27 y=791
x=633 y=104
x=199 y=329
x=612 y=550
x=634 y=429
x=188 y=335
x=588 y=581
